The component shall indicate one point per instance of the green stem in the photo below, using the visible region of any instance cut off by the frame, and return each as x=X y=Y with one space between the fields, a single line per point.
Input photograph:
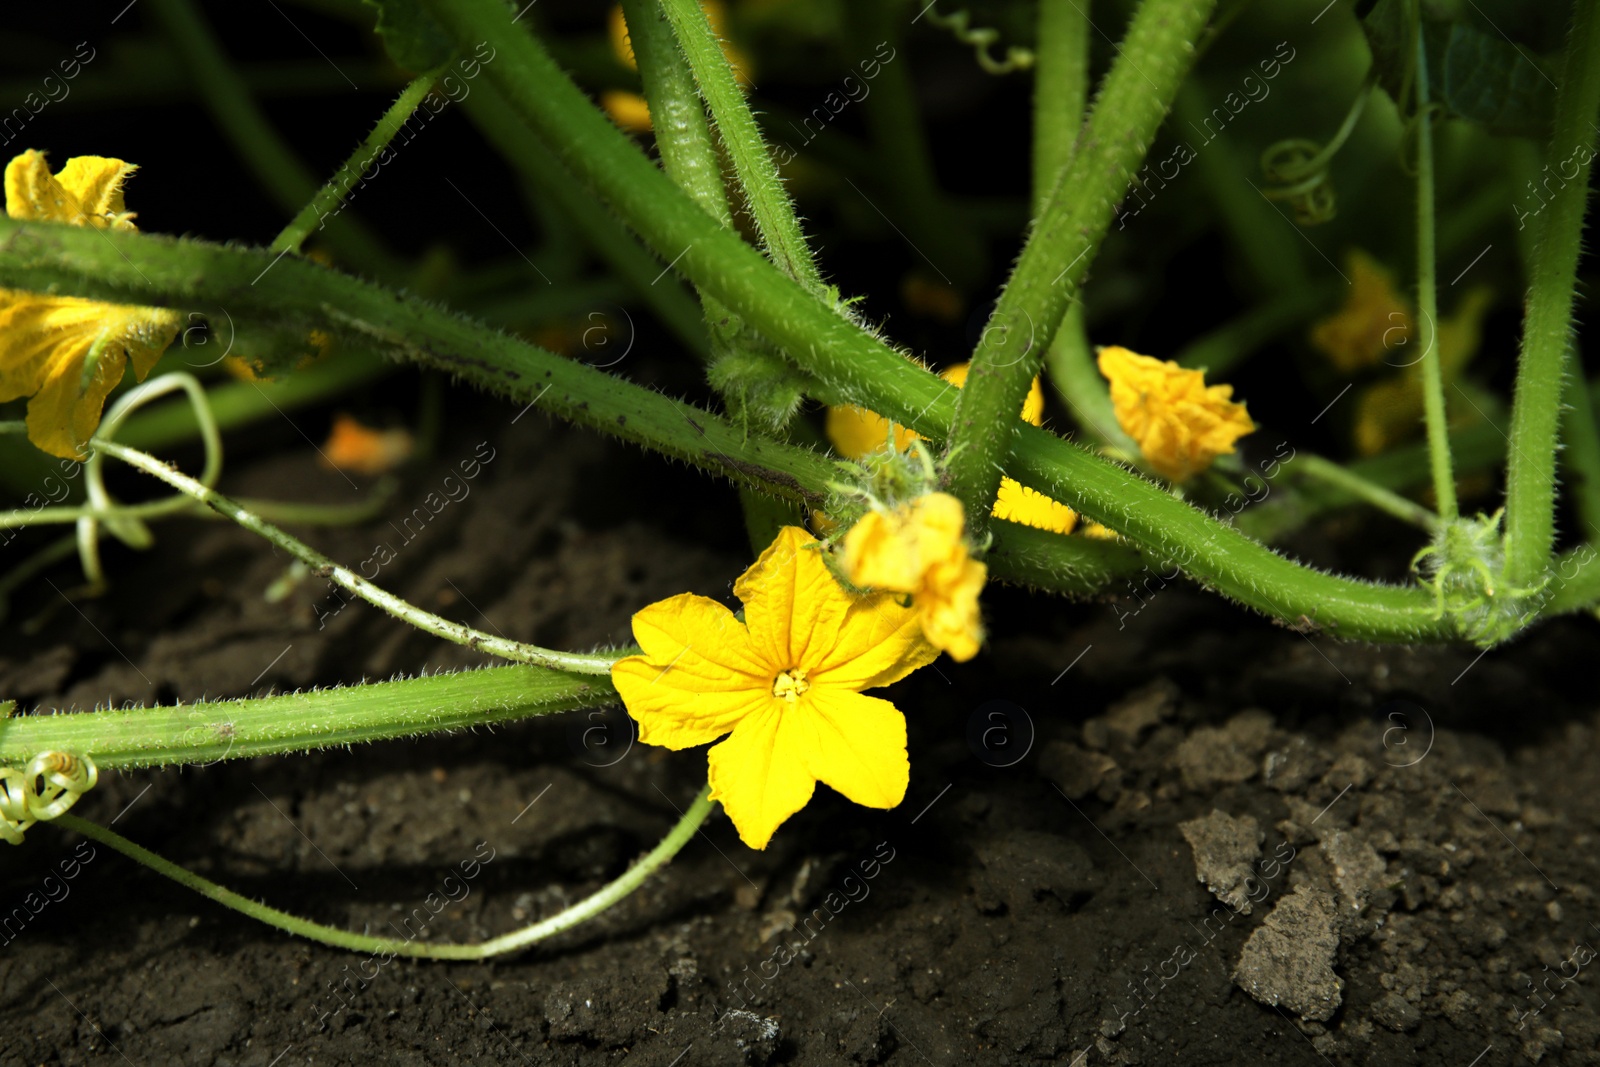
x=222 y=90
x=1060 y=91
x=330 y=199
x=566 y=919
x=689 y=156
x=1219 y=556
x=683 y=136
x=299 y=722
x=1547 y=331
x=1330 y=473
x=351 y=582
x=1434 y=416
x=235 y=404
x=1132 y=102
x=148 y=269
x=769 y=204
x=1580 y=459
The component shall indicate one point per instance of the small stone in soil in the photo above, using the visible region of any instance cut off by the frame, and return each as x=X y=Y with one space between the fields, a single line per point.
x=1288 y=960
x=1225 y=854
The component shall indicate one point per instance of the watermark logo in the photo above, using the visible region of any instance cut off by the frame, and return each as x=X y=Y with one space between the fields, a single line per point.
x=601 y=737
x=1000 y=733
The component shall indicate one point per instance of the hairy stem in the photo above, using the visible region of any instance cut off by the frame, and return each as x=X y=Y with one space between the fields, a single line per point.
x=299 y=722
x=330 y=199
x=1151 y=62
x=1444 y=479
x=752 y=161
x=223 y=92
x=1547 y=330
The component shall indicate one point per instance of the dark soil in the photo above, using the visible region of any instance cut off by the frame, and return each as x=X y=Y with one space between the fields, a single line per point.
x=1411 y=830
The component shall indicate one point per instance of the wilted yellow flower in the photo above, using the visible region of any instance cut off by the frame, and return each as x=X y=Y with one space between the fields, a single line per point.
x=856 y=431
x=1390 y=411
x=354 y=446
x=1180 y=423
x=918 y=549
x=785 y=684
x=65 y=353
x=1374 y=319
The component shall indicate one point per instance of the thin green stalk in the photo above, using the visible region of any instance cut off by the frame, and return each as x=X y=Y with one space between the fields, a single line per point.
x=299 y=722
x=769 y=203
x=1547 y=330
x=1060 y=92
x=1580 y=459
x=223 y=92
x=351 y=582
x=1434 y=415
x=330 y=199
x=1151 y=62
x=1392 y=503
x=566 y=919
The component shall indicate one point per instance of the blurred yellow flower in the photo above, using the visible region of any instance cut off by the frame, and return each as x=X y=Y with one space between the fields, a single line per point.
x=784 y=684
x=65 y=353
x=354 y=446
x=628 y=110
x=1374 y=319
x=918 y=549
x=1180 y=423
x=1390 y=411
x=856 y=431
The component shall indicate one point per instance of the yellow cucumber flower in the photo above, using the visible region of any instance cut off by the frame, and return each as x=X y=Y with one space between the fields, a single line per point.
x=65 y=353
x=1374 y=319
x=1179 y=423
x=918 y=549
x=784 y=684
x=856 y=431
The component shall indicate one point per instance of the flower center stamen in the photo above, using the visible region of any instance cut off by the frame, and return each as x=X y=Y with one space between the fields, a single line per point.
x=790 y=684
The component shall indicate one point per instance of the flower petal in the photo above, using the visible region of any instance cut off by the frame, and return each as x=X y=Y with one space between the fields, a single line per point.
x=699 y=674
x=45 y=343
x=855 y=744
x=96 y=182
x=879 y=643
x=1018 y=503
x=793 y=605
x=759 y=773
x=87 y=192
